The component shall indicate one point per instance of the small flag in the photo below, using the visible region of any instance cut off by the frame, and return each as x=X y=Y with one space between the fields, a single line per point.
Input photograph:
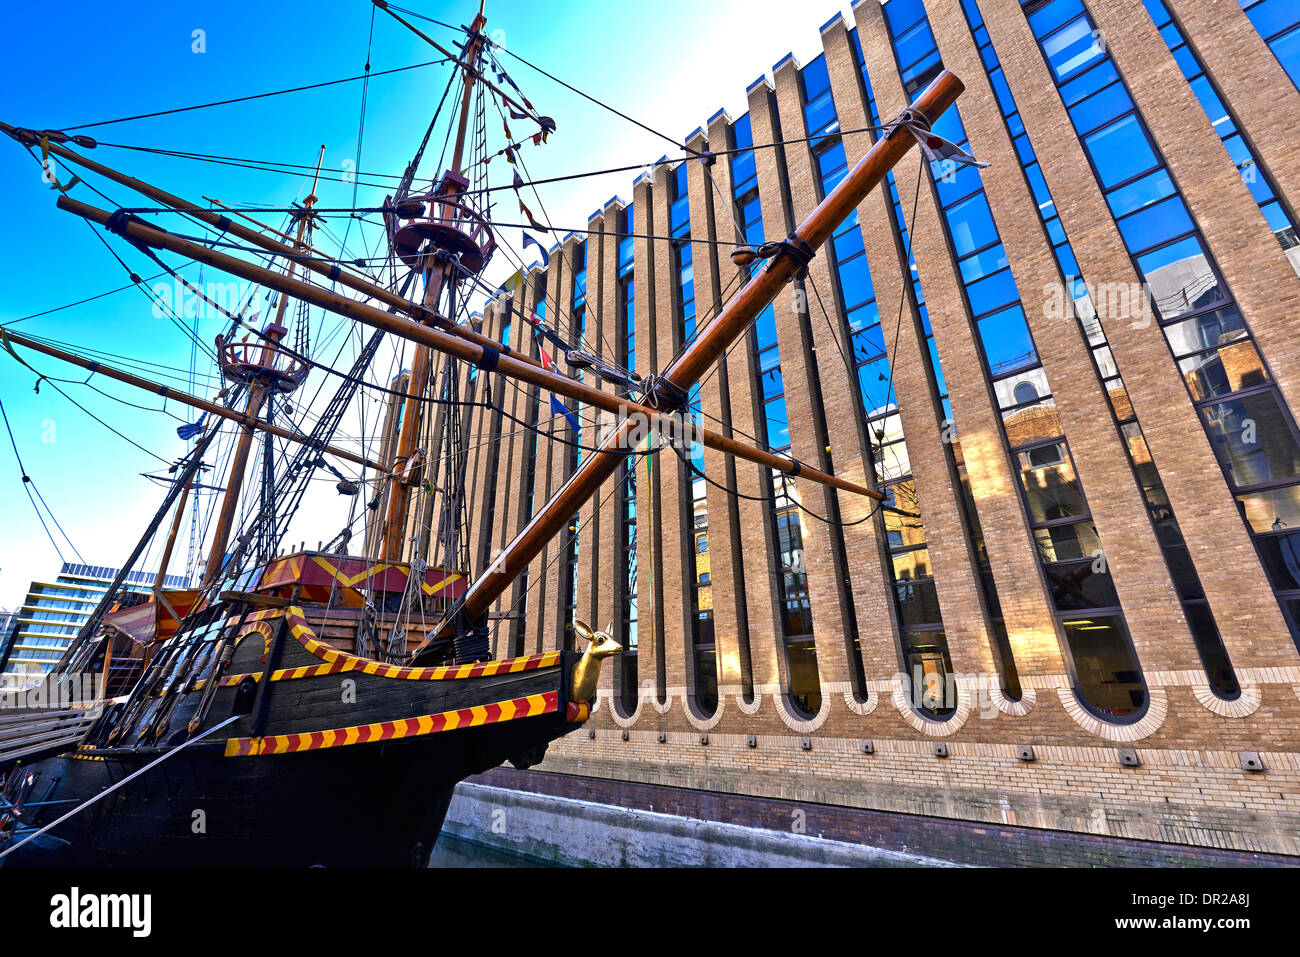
x=532 y=220
x=531 y=241
x=511 y=284
x=937 y=149
x=557 y=407
x=188 y=432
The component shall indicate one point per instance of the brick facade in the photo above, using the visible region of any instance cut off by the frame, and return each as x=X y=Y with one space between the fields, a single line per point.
x=868 y=748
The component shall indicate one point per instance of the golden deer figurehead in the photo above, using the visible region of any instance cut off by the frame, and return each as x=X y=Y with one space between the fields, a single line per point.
x=586 y=673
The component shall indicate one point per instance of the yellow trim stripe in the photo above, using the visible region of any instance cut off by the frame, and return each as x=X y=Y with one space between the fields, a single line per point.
x=335 y=661
x=494 y=713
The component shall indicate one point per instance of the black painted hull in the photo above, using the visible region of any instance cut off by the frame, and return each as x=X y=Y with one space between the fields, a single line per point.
x=367 y=805
x=339 y=766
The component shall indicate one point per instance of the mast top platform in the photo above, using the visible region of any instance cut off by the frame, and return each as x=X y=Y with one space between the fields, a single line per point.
x=452 y=225
x=261 y=363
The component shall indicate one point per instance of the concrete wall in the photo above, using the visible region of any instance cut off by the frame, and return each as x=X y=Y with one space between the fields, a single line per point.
x=577 y=833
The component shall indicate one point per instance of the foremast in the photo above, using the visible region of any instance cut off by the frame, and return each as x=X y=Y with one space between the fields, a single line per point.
x=452 y=241
x=261 y=369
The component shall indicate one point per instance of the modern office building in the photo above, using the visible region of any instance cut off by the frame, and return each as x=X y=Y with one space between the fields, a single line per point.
x=1074 y=376
x=53 y=612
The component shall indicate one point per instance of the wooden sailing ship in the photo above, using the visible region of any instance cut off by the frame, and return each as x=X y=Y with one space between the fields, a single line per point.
x=250 y=717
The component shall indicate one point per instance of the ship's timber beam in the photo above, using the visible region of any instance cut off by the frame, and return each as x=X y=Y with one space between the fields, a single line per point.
x=184 y=398
x=703 y=352
x=218 y=220
x=489 y=357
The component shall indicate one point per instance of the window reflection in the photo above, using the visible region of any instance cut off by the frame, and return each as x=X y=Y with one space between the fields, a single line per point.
x=1181 y=278
x=1120 y=151
x=1050 y=485
x=1081 y=584
x=1272 y=510
x=1108 y=673
x=929 y=669
x=805 y=685
x=1009 y=391
x=1229 y=369
x=1072 y=48
x=1063 y=542
x=1253 y=439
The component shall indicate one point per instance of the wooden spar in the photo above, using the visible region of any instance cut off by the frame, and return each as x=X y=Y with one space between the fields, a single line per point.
x=257 y=395
x=507 y=364
x=240 y=231
x=285 y=236
x=406 y=472
x=706 y=349
x=182 y=397
x=234 y=482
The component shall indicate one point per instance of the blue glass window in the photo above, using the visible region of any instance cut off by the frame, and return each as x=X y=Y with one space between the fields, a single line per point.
x=1278 y=22
x=1072 y=48
x=1120 y=151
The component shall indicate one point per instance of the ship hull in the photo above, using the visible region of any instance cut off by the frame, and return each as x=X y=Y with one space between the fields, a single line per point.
x=369 y=805
x=321 y=758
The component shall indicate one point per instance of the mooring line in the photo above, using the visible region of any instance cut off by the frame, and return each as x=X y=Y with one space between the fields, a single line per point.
x=109 y=790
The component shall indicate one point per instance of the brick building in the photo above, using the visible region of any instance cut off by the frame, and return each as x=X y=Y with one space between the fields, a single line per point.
x=1071 y=375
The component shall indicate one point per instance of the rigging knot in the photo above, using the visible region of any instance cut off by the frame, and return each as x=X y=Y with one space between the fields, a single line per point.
x=934 y=148
x=120 y=219
x=794 y=247
x=663 y=395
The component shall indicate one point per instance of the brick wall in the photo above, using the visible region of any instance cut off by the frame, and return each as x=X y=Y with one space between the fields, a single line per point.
x=1190 y=787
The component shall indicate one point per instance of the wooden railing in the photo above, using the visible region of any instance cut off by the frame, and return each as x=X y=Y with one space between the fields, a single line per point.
x=33 y=734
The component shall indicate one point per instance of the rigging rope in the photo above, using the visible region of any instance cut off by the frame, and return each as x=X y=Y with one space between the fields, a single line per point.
x=255 y=96
x=29 y=486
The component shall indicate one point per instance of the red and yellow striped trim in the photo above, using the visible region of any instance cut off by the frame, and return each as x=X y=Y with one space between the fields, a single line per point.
x=577 y=712
x=336 y=661
x=298 y=569
x=495 y=713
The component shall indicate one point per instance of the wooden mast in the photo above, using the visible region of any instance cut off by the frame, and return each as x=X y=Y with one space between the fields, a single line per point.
x=406 y=473
x=235 y=480
x=700 y=356
x=257 y=394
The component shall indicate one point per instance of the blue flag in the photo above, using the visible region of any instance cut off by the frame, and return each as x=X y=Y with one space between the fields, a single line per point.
x=188 y=432
x=559 y=408
x=529 y=240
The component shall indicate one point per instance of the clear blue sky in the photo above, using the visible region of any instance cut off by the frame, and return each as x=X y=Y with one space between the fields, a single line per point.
x=671 y=64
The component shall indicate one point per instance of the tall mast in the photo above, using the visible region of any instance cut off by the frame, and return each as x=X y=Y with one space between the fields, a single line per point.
x=160 y=579
x=439 y=270
x=256 y=367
